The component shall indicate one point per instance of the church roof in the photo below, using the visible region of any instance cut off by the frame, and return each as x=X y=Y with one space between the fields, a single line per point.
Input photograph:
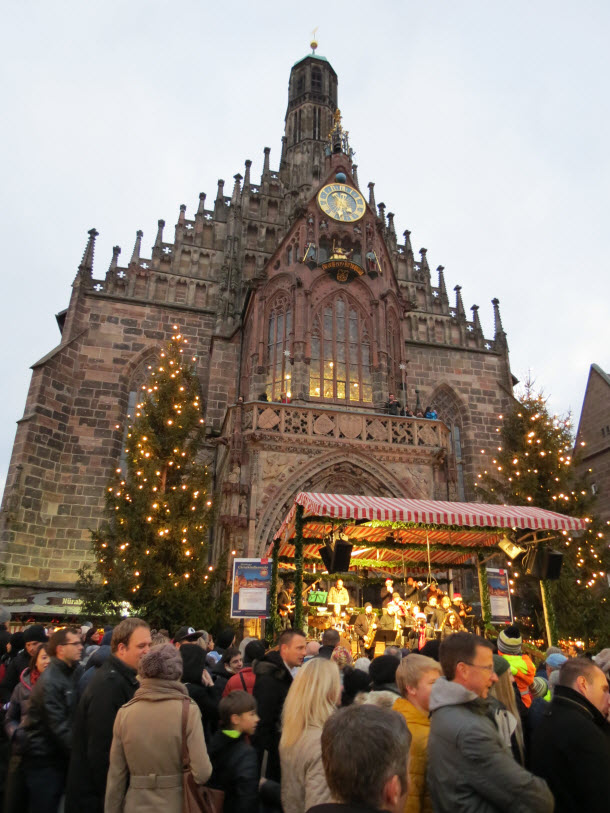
x=311 y=56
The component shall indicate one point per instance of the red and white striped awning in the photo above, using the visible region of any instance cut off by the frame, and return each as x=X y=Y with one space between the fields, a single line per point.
x=428 y=512
x=475 y=521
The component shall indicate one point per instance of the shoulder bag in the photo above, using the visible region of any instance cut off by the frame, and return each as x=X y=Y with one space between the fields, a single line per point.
x=196 y=798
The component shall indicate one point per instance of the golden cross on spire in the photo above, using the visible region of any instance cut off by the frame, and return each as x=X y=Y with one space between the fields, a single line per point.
x=314 y=42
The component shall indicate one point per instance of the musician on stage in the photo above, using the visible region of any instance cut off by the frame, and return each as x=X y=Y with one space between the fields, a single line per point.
x=387 y=592
x=285 y=605
x=338 y=596
x=412 y=590
x=364 y=627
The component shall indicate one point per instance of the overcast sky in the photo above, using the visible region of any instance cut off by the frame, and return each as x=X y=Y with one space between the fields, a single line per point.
x=485 y=126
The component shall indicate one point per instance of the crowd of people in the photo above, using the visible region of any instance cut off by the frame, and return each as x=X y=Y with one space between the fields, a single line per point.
x=109 y=720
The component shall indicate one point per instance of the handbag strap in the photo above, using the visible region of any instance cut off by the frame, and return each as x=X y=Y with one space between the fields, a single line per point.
x=185 y=751
x=243 y=682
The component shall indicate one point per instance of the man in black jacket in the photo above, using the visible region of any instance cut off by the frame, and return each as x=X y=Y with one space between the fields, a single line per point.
x=274 y=675
x=571 y=746
x=50 y=721
x=113 y=685
x=32 y=637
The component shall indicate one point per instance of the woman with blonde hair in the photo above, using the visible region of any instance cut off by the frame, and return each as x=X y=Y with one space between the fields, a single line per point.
x=312 y=698
x=505 y=711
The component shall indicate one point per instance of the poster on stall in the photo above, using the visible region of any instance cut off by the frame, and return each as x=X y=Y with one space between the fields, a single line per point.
x=499 y=596
x=251 y=582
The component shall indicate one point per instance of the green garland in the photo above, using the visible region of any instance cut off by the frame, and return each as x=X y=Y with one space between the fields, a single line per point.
x=485 y=599
x=273 y=627
x=298 y=564
x=377 y=565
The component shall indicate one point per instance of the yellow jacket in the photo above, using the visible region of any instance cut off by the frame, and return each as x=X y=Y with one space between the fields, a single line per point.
x=418 y=723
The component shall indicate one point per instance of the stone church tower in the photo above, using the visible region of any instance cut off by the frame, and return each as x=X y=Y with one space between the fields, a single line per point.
x=305 y=312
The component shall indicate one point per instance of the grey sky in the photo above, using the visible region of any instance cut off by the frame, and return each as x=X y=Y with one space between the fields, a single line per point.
x=484 y=125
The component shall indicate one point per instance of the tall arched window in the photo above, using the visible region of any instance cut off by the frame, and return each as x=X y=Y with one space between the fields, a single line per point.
x=449 y=410
x=316 y=80
x=340 y=354
x=393 y=343
x=278 y=349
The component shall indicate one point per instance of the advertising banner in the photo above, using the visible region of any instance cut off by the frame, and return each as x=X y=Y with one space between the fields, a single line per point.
x=499 y=595
x=251 y=582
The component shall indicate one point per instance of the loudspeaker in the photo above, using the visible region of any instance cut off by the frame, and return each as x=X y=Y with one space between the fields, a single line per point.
x=327 y=557
x=543 y=563
x=553 y=564
x=341 y=557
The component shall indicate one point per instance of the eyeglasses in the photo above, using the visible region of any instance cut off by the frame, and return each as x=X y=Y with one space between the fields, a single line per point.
x=72 y=643
x=489 y=669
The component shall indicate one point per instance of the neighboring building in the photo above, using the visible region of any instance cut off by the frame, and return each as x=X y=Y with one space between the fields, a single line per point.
x=594 y=432
x=295 y=284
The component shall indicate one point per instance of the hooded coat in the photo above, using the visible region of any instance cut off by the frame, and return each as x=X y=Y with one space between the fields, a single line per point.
x=571 y=750
x=113 y=685
x=470 y=769
x=418 y=723
x=273 y=680
x=193 y=665
x=145 y=773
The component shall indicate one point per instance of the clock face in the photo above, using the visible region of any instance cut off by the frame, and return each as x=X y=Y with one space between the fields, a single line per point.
x=341 y=202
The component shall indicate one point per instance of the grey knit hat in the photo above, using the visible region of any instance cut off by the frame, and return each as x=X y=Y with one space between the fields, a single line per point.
x=162 y=662
x=539 y=687
x=509 y=641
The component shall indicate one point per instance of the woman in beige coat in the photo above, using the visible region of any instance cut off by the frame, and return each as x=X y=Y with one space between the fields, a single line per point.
x=145 y=774
x=312 y=698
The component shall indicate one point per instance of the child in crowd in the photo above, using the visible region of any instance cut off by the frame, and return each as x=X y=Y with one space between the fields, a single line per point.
x=234 y=762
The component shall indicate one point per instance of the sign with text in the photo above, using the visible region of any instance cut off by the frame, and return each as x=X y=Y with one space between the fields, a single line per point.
x=499 y=596
x=251 y=583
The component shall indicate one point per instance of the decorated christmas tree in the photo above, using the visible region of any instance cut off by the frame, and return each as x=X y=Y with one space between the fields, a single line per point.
x=152 y=553
x=534 y=465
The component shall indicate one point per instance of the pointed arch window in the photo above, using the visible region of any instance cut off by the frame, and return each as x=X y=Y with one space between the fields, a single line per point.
x=340 y=367
x=316 y=80
x=449 y=411
x=393 y=344
x=278 y=349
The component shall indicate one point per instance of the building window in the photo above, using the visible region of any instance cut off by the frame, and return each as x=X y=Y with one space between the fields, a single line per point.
x=456 y=440
x=316 y=80
x=317 y=117
x=449 y=410
x=289 y=255
x=393 y=343
x=278 y=350
x=300 y=83
x=340 y=355
x=132 y=400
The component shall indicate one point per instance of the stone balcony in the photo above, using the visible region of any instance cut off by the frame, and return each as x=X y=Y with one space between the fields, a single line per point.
x=273 y=423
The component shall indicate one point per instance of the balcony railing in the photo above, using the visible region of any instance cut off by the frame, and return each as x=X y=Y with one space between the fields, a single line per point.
x=318 y=423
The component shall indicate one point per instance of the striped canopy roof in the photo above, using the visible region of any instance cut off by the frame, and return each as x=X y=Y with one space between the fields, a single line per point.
x=478 y=524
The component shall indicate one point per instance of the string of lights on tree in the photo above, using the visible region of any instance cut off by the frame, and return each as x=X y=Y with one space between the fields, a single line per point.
x=153 y=552
x=534 y=464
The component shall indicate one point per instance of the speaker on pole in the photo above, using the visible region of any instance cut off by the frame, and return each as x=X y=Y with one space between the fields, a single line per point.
x=543 y=563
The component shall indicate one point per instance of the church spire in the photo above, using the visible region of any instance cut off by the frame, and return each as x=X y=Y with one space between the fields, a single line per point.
x=499 y=334
x=476 y=323
x=135 y=255
x=85 y=269
x=114 y=262
x=247 y=175
x=159 y=238
x=442 y=288
x=372 y=203
x=459 y=305
x=236 y=190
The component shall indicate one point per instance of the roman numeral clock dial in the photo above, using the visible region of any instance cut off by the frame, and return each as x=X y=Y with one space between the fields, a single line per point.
x=341 y=202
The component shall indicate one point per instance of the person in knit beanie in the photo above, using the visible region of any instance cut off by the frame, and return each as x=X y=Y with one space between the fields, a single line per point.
x=510 y=645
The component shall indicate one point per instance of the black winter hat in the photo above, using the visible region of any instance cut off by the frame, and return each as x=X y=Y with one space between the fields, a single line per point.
x=193 y=662
x=383 y=669
x=225 y=638
x=35 y=633
x=254 y=651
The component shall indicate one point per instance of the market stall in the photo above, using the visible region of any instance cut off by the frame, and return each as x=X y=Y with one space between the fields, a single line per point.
x=393 y=534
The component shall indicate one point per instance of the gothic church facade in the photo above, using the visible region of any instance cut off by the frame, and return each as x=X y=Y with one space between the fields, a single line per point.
x=305 y=311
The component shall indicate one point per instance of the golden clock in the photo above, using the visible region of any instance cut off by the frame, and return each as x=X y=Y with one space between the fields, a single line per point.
x=341 y=202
